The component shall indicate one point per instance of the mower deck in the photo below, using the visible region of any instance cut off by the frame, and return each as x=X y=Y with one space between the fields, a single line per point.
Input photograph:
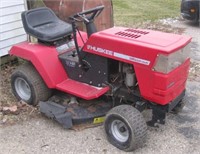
x=81 y=111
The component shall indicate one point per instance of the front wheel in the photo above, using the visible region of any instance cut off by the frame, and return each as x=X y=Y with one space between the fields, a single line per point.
x=125 y=128
x=27 y=85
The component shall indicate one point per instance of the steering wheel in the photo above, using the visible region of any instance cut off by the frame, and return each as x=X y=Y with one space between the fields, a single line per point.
x=88 y=15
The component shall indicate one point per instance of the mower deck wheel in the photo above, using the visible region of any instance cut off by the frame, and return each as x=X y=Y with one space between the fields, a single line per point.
x=125 y=128
x=27 y=85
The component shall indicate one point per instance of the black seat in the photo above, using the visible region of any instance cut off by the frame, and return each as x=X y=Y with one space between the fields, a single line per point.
x=43 y=24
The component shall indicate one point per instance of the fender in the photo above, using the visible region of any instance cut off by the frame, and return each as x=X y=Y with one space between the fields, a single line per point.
x=45 y=60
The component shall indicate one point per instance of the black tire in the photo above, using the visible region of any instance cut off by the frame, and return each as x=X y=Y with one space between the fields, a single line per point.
x=133 y=128
x=27 y=85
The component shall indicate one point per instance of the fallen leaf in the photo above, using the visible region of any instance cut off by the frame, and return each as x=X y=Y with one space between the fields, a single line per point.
x=11 y=109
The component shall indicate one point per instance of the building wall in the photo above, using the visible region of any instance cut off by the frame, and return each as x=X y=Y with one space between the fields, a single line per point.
x=11 y=28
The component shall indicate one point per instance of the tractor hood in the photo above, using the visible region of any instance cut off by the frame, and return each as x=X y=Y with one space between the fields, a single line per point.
x=142 y=46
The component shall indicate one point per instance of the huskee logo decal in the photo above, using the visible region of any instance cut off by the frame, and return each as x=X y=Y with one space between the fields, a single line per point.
x=100 y=50
x=118 y=55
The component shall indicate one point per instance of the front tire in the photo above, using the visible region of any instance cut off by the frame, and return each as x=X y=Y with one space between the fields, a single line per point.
x=27 y=85
x=125 y=128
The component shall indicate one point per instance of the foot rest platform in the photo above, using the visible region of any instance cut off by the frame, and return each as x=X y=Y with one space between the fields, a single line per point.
x=81 y=90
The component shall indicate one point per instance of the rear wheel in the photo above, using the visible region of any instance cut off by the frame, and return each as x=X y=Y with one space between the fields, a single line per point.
x=125 y=128
x=27 y=85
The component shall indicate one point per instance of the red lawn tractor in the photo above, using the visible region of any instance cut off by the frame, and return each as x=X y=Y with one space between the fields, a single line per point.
x=79 y=77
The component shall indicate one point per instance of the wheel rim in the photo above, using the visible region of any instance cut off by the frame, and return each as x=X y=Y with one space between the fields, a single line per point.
x=119 y=130
x=22 y=88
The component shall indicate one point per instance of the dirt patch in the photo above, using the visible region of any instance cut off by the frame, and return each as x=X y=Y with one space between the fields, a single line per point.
x=6 y=95
x=160 y=26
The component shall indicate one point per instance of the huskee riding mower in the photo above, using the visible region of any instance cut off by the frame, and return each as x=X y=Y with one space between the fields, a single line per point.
x=118 y=72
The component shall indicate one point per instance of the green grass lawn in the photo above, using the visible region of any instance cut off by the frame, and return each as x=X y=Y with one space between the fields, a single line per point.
x=131 y=12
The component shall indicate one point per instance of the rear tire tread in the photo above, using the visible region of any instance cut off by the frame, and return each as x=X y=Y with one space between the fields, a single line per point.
x=28 y=71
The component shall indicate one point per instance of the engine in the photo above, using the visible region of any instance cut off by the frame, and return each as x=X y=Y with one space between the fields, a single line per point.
x=123 y=83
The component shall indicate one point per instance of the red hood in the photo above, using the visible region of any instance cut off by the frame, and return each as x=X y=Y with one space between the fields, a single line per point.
x=142 y=46
x=166 y=42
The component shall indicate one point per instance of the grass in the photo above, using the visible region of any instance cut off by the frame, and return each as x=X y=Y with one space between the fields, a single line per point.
x=131 y=12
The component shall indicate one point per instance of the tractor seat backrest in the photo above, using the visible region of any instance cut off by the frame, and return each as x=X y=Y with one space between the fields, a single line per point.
x=43 y=24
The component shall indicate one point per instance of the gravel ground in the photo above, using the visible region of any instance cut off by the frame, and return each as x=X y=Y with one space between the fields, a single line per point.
x=180 y=135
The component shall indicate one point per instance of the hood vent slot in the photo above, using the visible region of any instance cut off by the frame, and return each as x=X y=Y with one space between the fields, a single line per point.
x=131 y=33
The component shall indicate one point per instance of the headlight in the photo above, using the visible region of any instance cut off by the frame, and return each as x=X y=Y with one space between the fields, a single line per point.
x=167 y=63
